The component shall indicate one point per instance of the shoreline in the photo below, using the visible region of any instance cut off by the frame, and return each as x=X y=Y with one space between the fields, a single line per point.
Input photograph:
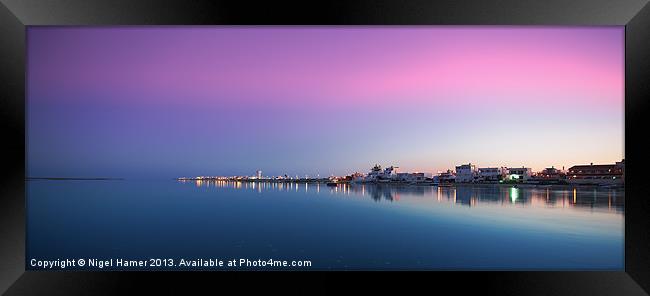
x=324 y=181
x=551 y=186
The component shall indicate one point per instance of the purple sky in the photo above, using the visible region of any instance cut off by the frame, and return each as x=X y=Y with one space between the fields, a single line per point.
x=183 y=101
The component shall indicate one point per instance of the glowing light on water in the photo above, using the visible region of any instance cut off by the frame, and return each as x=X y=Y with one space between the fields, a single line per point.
x=609 y=200
x=454 y=195
x=574 y=195
x=514 y=194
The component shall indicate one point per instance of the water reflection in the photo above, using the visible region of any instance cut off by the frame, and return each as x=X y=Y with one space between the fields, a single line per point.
x=467 y=195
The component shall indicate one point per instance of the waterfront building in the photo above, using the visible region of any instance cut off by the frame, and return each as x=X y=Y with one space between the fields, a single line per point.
x=492 y=174
x=551 y=174
x=519 y=174
x=447 y=177
x=379 y=175
x=621 y=165
x=389 y=173
x=356 y=177
x=402 y=177
x=412 y=177
x=600 y=174
x=548 y=176
x=258 y=174
x=466 y=173
x=421 y=177
x=374 y=173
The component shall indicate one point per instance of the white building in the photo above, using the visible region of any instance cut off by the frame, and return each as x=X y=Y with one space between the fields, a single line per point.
x=389 y=172
x=521 y=174
x=379 y=175
x=466 y=173
x=412 y=177
x=374 y=173
x=258 y=174
x=492 y=174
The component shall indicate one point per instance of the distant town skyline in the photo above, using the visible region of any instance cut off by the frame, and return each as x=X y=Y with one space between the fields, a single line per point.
x=189 y=101
x=260 y=173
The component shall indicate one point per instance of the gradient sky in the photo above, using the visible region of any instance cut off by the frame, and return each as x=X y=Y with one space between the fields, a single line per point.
x=187 y=101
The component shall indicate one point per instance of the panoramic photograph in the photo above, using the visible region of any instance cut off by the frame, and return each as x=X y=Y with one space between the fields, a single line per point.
x=325 y=148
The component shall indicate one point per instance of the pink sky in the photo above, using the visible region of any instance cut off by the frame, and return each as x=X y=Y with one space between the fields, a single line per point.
x=424 y=98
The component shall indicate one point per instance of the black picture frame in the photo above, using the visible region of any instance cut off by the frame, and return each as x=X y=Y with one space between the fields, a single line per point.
x=16 y=15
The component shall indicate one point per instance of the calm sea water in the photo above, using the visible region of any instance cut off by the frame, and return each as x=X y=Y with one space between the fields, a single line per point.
x=354 y=227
